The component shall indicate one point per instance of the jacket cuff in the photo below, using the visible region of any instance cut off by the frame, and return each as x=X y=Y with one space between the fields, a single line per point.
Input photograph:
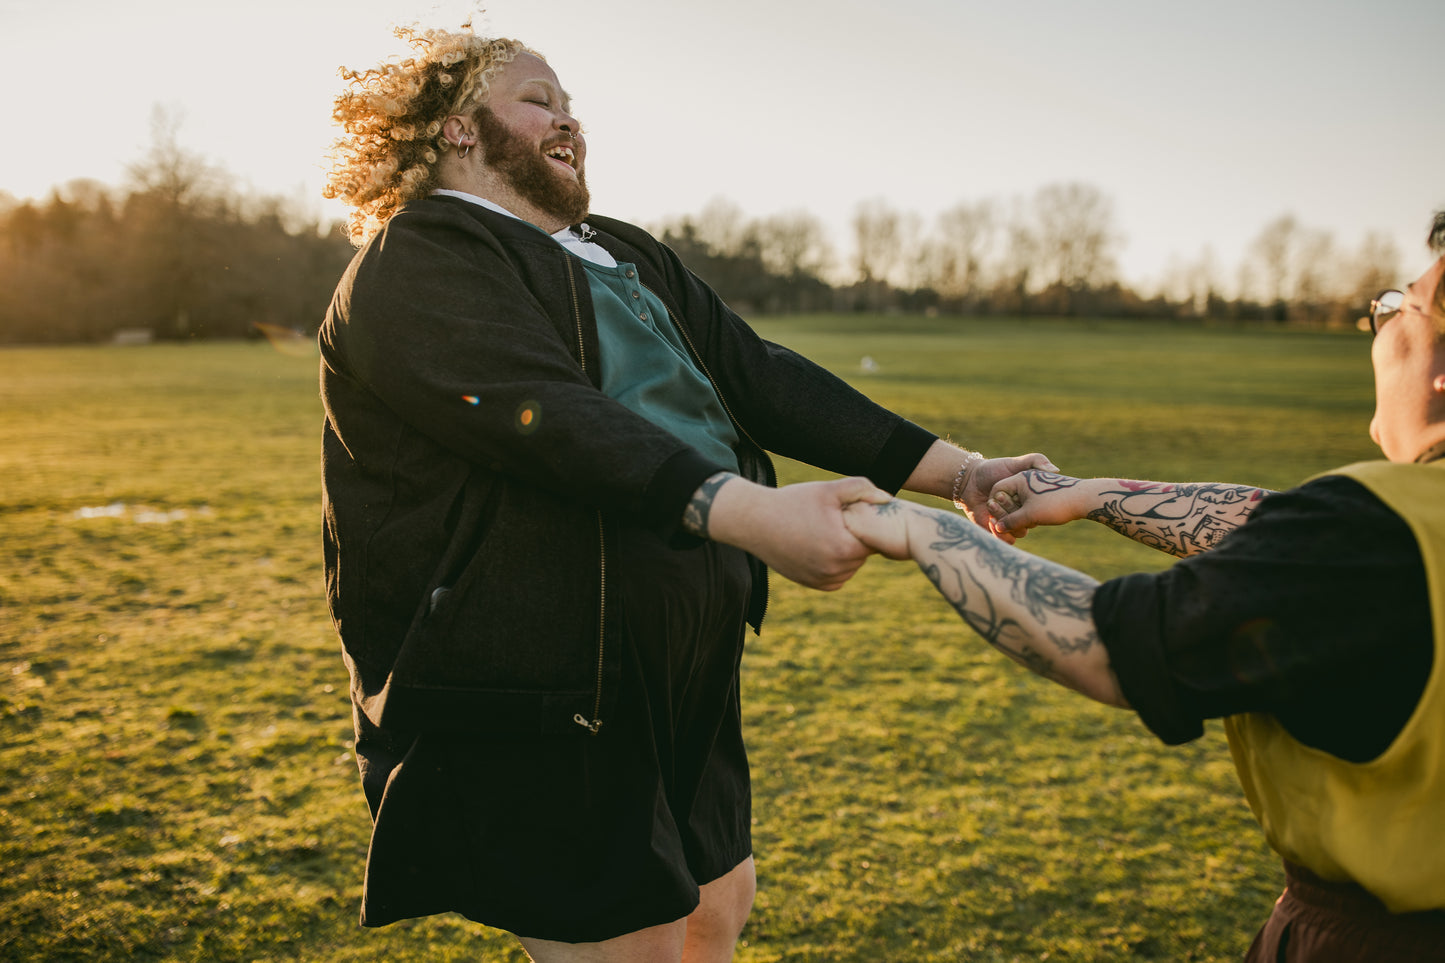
x=671 y=487
x=901 y=453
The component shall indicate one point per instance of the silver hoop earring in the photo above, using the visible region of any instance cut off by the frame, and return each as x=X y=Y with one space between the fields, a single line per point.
x=463 y=149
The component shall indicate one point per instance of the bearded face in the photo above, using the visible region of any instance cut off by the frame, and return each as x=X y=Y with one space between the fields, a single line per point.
x=532 y=169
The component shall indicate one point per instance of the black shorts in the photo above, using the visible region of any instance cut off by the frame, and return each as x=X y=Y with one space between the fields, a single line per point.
x=585 y=839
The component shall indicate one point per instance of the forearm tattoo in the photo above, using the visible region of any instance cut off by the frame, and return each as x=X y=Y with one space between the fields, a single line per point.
x=699 y=510
x=985 y=580
x=1182 y=520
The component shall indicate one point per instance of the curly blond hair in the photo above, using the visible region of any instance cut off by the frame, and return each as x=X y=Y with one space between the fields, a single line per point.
x=393 y=115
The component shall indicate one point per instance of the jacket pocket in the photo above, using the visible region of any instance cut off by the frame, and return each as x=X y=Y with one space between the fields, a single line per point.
x=514 y=642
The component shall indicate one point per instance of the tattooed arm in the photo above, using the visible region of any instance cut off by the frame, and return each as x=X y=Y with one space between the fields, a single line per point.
x=1035 y=611
x=796 y=530
x=1181 y=519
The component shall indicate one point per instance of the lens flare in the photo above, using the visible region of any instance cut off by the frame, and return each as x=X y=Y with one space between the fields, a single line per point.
x=529 y=416
x=287 y=341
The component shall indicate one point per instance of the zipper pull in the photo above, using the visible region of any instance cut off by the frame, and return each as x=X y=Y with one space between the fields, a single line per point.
x=591 y=727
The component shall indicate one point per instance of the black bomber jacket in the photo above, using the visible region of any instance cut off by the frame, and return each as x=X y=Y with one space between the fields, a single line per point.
x=474 y=472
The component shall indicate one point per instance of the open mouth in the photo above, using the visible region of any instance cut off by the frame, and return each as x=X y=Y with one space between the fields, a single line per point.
x=563 y=154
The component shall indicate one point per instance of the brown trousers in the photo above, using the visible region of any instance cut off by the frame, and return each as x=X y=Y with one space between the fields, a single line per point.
x=1319 y=921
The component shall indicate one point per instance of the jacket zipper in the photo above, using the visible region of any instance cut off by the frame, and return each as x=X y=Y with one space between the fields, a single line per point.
x=595 y=723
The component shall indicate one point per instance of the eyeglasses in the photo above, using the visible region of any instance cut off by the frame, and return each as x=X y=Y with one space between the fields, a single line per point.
x=1384 y=307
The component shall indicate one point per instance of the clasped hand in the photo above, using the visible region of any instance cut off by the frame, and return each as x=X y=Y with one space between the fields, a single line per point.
x=1031 y=498
x=884 y=528
x=819 y=534
x=797 y=530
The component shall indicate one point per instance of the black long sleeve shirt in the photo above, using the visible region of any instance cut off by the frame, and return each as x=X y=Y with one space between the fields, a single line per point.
x=1315 y=610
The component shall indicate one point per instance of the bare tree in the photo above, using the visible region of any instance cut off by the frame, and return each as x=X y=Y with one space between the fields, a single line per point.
x=1017 y=267
x=1265 y=273
x=1194 y=284
x=1374 y=267
x=1076 y=236
x=966 y=233
x=794 y=252
x=722 y=226
x=877 y=239
x=794 y=244
x=177 y=205
x=888 y=252
x=168 y=171
x=875 y=249
x=1317 y=276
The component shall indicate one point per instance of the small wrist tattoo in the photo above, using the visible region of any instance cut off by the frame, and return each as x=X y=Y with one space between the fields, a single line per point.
x=696 y=516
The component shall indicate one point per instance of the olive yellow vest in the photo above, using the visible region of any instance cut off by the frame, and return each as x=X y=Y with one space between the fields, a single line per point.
x=1380 y=823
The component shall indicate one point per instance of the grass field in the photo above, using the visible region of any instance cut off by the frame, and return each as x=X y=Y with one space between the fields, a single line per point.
x=176 y=781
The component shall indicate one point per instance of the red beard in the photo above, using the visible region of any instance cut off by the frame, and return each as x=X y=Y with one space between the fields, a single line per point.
x=529 y=171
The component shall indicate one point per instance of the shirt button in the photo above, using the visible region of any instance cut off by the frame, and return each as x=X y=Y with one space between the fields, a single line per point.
x=637 y=294
x=643 y=315
x=631 y=274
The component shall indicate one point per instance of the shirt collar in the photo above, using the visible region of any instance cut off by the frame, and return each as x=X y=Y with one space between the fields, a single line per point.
x=567 y=237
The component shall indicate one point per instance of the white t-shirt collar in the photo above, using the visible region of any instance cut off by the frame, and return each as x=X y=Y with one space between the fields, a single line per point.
x=566 y=237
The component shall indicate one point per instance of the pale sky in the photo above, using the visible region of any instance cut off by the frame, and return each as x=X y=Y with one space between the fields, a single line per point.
x=1202 y=122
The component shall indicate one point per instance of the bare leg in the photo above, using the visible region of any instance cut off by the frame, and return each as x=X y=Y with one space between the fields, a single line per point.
x=708 y=935
x=713 y=928
x=656 y=944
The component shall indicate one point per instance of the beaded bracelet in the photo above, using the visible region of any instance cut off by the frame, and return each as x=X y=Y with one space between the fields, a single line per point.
x=970 y=458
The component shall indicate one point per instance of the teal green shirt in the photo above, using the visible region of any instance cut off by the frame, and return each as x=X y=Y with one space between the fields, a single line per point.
x=647 y=367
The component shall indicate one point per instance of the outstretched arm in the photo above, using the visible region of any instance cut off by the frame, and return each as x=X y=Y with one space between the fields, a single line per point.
x=1036 y=612
x=798 y=530
x=1181 y=519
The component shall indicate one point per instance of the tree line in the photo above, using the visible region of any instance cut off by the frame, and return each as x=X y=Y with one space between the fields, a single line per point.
x=1052 y=253
x=176 y=253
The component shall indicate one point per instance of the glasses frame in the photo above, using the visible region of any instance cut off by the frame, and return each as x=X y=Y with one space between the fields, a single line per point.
x=1383 y=308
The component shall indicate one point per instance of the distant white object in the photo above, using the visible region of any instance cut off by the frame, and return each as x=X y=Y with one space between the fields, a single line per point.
x=113 y=510
x=141 y=514
x=868 y=365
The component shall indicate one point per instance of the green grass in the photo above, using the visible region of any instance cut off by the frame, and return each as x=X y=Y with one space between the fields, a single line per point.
x=176 y=781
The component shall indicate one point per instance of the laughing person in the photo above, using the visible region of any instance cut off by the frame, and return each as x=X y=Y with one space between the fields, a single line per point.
x=548 y=508
x=1311 y=620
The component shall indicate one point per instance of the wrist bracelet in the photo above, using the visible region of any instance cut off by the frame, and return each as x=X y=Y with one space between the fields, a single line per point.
x=970 y=458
